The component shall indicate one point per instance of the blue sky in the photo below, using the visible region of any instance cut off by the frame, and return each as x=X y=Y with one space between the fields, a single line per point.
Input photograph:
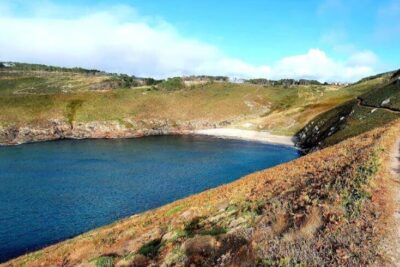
x=326 y=40
x=261 y=31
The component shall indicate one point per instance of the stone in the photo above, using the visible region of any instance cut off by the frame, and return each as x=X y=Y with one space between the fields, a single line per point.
x=200 y=245
x=135 y=261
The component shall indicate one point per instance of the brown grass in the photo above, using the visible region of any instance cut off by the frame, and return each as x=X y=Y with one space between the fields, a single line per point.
x=335 y=204
x=34 y=97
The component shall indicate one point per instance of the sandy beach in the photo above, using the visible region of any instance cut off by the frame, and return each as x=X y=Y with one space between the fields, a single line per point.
x=231 y=133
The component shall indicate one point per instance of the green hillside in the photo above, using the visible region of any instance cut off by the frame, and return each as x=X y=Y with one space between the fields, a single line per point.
x=378 y=106
x=35 y=94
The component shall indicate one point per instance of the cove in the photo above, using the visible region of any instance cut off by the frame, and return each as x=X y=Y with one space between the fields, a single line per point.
x=52 y=191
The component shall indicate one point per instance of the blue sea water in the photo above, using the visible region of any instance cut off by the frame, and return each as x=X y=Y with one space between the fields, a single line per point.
x=55 y=190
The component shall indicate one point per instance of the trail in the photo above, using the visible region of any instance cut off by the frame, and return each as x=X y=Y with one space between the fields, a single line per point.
x=393 y=110
x=395 y=166
x=362 y=104
x=392 y=244
x=394 y=241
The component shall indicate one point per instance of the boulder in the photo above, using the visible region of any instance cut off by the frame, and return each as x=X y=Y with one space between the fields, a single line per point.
x=200 y=246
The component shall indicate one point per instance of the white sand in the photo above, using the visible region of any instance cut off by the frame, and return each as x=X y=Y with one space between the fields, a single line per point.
x=231 y=133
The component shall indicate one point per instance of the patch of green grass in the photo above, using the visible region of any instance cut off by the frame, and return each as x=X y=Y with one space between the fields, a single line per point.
x=355 y=194
x=104 y=261
x=177 y=255
x=72 y=108
x=151 y=248
x=173 y=210
x=214 y=231
x=183 y=234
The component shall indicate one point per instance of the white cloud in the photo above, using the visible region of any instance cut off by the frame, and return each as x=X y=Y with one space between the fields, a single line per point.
x=118 y=40
x=363 y=58
x=317 y=65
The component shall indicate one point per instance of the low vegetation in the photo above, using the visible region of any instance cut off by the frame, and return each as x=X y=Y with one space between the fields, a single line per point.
x=331 y=207
x=377 y=107
x=35 y=94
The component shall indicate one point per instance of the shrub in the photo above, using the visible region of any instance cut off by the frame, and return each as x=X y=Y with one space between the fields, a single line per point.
x=72 y=108
x=105 y=261
x=216 y=230
x=171 y=84
x=151 y=248
x=151 y=81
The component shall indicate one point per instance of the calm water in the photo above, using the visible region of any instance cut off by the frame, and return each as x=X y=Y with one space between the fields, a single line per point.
x=55 y=190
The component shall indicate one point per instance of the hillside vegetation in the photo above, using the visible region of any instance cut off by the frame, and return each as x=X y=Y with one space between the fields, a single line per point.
x=376 y=107
x=332 y=207
x=33 y=95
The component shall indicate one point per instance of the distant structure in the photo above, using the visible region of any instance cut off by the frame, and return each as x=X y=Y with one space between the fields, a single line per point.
x=284 y=82
x=202 y=79
x=236 y=80
x=291 y=82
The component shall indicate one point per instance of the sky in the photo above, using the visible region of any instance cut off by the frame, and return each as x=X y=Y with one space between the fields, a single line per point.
x=327 y=40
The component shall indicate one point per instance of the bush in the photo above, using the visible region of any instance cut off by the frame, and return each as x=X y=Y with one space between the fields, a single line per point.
x=151 y=81
x=151 y=248
x=72 y=108
x=172 y=84
x=105 y=261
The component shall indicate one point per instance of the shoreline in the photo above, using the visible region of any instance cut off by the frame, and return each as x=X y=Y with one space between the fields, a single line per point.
x=247 y=135
x=60 y=131
x=236 y=134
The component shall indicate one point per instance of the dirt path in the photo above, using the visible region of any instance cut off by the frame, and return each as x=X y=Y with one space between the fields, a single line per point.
x=362 y=104
x=393 y=110
x=393 y=242
x=395 y=165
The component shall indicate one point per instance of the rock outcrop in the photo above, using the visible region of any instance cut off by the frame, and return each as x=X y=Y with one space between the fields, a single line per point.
x=61 y=129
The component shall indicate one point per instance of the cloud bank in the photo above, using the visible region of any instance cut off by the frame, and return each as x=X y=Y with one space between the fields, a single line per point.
x=118 y=40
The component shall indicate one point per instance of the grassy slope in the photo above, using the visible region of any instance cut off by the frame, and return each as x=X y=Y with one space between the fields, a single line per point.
x=331 y=207
x=34 y=96
x=352 y=118
x=326 y=208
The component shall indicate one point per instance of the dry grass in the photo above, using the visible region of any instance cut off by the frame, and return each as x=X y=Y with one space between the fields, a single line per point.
x=34 y=97
x=332 y=207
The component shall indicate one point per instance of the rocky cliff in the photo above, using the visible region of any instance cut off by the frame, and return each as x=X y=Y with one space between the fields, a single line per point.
x=60 y=129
